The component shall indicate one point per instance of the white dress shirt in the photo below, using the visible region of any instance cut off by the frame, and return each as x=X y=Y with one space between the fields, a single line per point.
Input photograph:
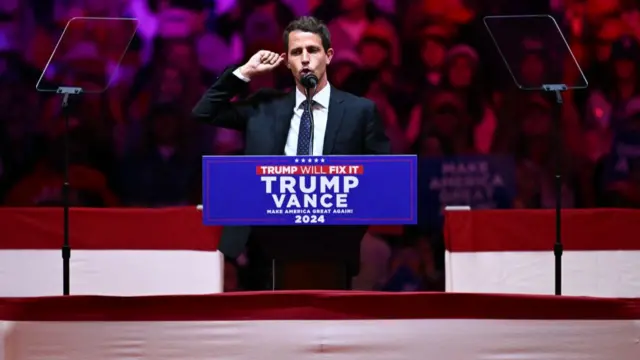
x=320 y=113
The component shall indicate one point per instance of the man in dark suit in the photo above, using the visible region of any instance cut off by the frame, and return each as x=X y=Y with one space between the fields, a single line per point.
x=276 y=123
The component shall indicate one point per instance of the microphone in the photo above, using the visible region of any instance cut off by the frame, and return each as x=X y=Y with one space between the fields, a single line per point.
x=309 y=81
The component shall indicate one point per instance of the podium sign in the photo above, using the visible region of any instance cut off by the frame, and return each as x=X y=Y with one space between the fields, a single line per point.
x=309 y=190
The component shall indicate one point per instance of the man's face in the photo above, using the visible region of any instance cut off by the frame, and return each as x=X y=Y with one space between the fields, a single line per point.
x=172 y=84
x=433 y=54
x=306 y=55
x=624 y=69
x=461 y=72
x=532 y=70
x=373 y=55
x=180 y=55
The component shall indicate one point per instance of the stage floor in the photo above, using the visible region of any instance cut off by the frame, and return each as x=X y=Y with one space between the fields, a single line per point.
x=321 y=325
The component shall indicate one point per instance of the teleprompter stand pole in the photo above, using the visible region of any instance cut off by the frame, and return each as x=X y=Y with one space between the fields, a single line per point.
x=66 y=248
x=557 y=89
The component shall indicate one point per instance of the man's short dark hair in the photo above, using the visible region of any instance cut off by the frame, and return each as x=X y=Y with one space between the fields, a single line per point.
x=311 y=25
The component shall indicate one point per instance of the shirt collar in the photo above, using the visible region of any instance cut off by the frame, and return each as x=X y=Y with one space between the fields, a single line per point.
x=321 y=97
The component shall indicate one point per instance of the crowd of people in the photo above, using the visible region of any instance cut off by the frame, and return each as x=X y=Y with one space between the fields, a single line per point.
x=431 y=67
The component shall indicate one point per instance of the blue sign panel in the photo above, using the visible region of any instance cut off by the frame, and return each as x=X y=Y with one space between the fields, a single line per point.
x=625 y=153
x=314 y=190
x=477 y=181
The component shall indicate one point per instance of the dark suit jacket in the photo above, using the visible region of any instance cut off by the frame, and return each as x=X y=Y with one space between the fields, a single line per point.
x=354 y=127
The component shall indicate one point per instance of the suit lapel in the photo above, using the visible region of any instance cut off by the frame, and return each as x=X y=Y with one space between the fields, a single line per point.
x=334 y=120
x=282 y=122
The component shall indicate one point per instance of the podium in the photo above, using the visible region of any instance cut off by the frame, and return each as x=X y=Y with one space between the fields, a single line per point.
x=305 y=216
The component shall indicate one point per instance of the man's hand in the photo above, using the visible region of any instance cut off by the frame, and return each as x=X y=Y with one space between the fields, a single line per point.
x=261 y=62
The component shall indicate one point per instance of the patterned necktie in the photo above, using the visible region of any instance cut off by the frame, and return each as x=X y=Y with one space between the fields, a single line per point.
x=304 y=135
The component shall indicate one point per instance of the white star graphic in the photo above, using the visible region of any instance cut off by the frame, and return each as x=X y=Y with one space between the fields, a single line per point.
x=321 y=160
x=315 y=160
x=302 y=160
x=296 y=160
x=310 y=160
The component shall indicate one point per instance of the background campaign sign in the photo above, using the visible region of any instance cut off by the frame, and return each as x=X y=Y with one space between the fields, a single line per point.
x=309 y=190
x=478 y=181
x=625 y=153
